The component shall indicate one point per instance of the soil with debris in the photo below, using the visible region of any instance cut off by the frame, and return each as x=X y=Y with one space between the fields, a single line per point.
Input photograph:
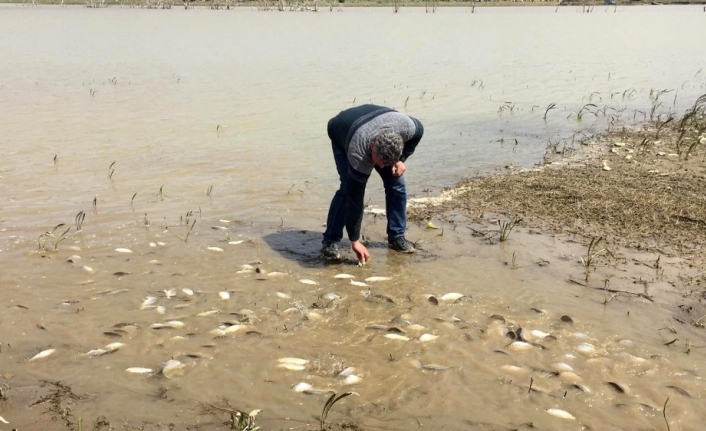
x=639 y=188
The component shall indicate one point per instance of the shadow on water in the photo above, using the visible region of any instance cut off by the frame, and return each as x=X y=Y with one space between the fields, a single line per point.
x=302 y=247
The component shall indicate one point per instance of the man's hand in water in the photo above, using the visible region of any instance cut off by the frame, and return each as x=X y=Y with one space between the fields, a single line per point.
x=360 y=251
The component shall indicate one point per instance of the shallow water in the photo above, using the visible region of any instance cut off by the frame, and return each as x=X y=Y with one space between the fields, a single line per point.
x=236 y=102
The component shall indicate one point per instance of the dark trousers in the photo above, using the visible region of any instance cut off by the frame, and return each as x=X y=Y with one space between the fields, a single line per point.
x=395 y=199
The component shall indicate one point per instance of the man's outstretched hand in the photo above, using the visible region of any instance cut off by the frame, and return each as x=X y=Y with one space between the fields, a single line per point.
x=361 y=251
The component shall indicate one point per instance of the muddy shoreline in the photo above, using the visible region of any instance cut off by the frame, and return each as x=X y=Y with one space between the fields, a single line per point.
x=632 y=190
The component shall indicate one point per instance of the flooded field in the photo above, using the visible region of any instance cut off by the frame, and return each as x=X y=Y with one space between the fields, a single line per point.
x=185 y=157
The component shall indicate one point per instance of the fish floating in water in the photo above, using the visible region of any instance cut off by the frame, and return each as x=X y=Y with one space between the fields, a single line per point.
x=139 y=370
x=343 y=276
x=377 y=278
x=563 y=414
x=218 y=249
x=123 y=250
x=307 y=281
x=292 y=364
x=110 y=348
x=148 y=302
x=41 y=355
x=172 y=368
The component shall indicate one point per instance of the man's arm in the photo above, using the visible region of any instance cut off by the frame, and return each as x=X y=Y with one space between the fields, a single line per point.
x=411 y=144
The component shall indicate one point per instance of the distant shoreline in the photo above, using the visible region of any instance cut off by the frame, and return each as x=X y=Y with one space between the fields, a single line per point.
x=322 y=4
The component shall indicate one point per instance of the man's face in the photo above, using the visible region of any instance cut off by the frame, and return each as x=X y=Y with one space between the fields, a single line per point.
x=376 y=161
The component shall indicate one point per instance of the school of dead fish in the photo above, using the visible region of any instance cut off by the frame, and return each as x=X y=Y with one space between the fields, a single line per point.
x=400 y=329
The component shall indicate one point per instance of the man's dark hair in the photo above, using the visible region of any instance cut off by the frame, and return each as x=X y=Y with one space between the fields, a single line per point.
x=388 y=147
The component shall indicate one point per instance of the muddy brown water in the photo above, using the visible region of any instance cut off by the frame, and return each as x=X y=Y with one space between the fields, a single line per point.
x=191 y=101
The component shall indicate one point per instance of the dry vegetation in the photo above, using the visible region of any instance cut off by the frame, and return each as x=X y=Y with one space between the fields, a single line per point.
x=641 y=187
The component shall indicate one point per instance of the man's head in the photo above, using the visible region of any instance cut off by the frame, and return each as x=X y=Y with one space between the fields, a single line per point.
x=387 y=148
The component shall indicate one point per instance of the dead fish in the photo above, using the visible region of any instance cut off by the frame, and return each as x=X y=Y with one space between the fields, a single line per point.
x=519 y=345
x=218 y=249
x=240 y=241
x=283 y=295
x=377 y=327
x=581 y=388
x=170 y=293
x=295 y=361
x=110 y=348
x=138 y=370
x=561 y=366
x=172 y=368
x=302 y=387
x=187 y=291
x=586 y=348
x=175 y=324
x=348 y=371
x=150 y=300
x=219 y=228
x=313 y=315
x=161 y=309
x=358 y=283
x=535 y=334
x=396 y=337
x=431 y=367
x=343 y=275
x=88 y=269
x=433 y=300
x=207 y=313
x=2 y=419
x=307 y=281
x=292 y=367
x=617 y=387
x=224 y=295
x=563 y=414
x=452 y=297
x=276 y=274
x=120 y=273
x=513 y=368
x=123 y=250
x=497 y=317
x=331 y=297
x=41 y=355
x=352 y=379
x=679 y=390
x=377 y=278
x=427 y=337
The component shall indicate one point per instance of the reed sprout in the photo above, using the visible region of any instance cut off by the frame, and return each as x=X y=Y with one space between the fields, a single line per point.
x=53 y=235
x=549 y=108
x=327 y=407
x=585 y=107
x=592 y=253
x=80 y=217
x=111 y=171
x=506 y=227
